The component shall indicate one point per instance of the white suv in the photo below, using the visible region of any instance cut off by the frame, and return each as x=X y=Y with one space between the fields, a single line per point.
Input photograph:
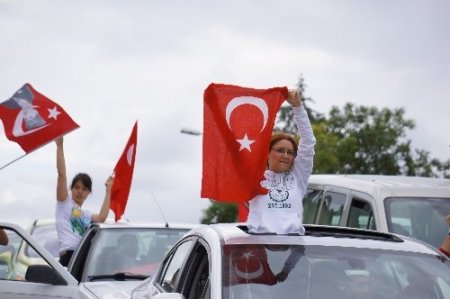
x=411 y=206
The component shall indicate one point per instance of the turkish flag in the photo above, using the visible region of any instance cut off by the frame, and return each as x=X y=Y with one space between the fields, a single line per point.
x=247 y=264
x=123 y=175
x=237 y=126
x=33 y=120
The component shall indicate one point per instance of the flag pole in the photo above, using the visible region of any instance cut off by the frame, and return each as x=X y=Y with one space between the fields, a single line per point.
x=7 y=164
x=38 y=147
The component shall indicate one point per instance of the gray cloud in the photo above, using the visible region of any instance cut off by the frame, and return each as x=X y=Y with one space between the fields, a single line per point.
x=109 y=63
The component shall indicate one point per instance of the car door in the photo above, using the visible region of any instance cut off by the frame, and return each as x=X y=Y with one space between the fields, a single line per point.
x=171 y=275
x=325 y=206
x=195 y=283
x=49 y=280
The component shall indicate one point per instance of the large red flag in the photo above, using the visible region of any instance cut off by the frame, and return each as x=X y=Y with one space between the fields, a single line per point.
x=123 y=175
x=237 y=126
x=32 y=120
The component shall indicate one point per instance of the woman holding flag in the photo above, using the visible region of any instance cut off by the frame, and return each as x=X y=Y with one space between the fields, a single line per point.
x=71 y=220
x=289 y=167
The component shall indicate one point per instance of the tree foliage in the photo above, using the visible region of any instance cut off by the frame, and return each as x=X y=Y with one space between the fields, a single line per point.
x=220 y=212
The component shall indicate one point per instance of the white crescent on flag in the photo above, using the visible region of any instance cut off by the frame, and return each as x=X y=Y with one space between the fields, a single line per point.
x=17 y=130
x=239 y=101
x=246 y=274
x=130 y=154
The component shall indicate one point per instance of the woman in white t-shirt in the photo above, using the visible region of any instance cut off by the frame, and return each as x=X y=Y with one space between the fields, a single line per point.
x=71 y=220
x=289 y=167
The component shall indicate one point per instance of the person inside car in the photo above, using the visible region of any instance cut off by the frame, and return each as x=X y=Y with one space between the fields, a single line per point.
x=71 y=220
x=289 y=167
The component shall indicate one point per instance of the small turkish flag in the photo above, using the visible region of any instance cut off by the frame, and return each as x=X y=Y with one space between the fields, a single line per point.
x=123 y=175
x=237 y=126
x=33 y=120
x=248 y=264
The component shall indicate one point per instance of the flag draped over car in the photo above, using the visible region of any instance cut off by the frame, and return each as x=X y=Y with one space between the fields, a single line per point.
x=123 y=175
x=33 y=120
x=238 y=123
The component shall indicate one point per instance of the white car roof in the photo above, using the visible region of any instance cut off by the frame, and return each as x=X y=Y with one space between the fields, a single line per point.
x=146 y=225
x=232 y=234
x=386 y=185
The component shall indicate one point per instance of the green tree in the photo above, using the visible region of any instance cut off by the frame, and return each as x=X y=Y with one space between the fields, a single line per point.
x=371 y=140
x=220 y=212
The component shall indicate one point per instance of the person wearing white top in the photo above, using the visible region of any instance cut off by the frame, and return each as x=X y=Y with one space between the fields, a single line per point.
x=71 y=220
x=289 y=166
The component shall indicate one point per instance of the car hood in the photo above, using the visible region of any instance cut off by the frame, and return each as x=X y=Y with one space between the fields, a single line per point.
x=111 y=289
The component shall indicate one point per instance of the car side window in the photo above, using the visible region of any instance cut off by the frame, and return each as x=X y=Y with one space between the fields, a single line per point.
x=361 y=215
x=170 y=273
x=331 y=208
x=7 y=254
x=197 y=282
x=12 y=265
x=311 y=203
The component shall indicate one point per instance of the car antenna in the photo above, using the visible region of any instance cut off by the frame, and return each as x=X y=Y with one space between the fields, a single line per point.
x=159 y=207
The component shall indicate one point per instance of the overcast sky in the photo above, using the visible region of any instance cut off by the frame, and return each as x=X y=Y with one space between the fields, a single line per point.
x=109 y=63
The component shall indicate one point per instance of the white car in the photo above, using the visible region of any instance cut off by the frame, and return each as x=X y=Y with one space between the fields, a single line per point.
x=47 y=280
x=411 y=206
x=113 y=258
x=224 y=261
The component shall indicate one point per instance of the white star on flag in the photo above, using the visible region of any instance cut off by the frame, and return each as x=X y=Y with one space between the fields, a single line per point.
x=53 y=113
x=245 y=143
x=247 y=255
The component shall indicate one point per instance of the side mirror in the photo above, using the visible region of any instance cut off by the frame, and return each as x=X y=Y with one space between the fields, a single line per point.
x=44 y=274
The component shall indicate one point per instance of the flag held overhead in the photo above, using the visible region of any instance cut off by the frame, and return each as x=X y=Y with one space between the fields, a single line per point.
x=237 y=124
x=123 y=175
x=33 y=120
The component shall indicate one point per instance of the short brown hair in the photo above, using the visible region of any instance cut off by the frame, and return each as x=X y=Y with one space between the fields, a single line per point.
x=283 y=136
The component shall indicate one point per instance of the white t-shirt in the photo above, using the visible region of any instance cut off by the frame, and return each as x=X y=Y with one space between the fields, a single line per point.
x=71 y=223
x=281 y=209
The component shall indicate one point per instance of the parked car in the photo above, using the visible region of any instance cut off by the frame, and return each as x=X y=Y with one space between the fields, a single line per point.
x=43 y=231
x=225 y=261
x=411 y=206
x=119 y=256
x=48 y=280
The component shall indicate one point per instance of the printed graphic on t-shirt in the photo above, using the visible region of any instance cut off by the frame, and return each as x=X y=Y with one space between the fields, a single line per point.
x=279 y=188
x=79 y=220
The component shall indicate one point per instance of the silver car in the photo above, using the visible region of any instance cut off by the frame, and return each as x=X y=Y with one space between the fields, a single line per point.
x=412 y=206
x=225 y=261
x=46 y=280
x=42 y=231
x=113 y=258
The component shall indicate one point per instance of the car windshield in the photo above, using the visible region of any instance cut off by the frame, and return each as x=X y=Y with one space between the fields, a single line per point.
x=420 y=218
x=131 y=250
x=317 y=272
